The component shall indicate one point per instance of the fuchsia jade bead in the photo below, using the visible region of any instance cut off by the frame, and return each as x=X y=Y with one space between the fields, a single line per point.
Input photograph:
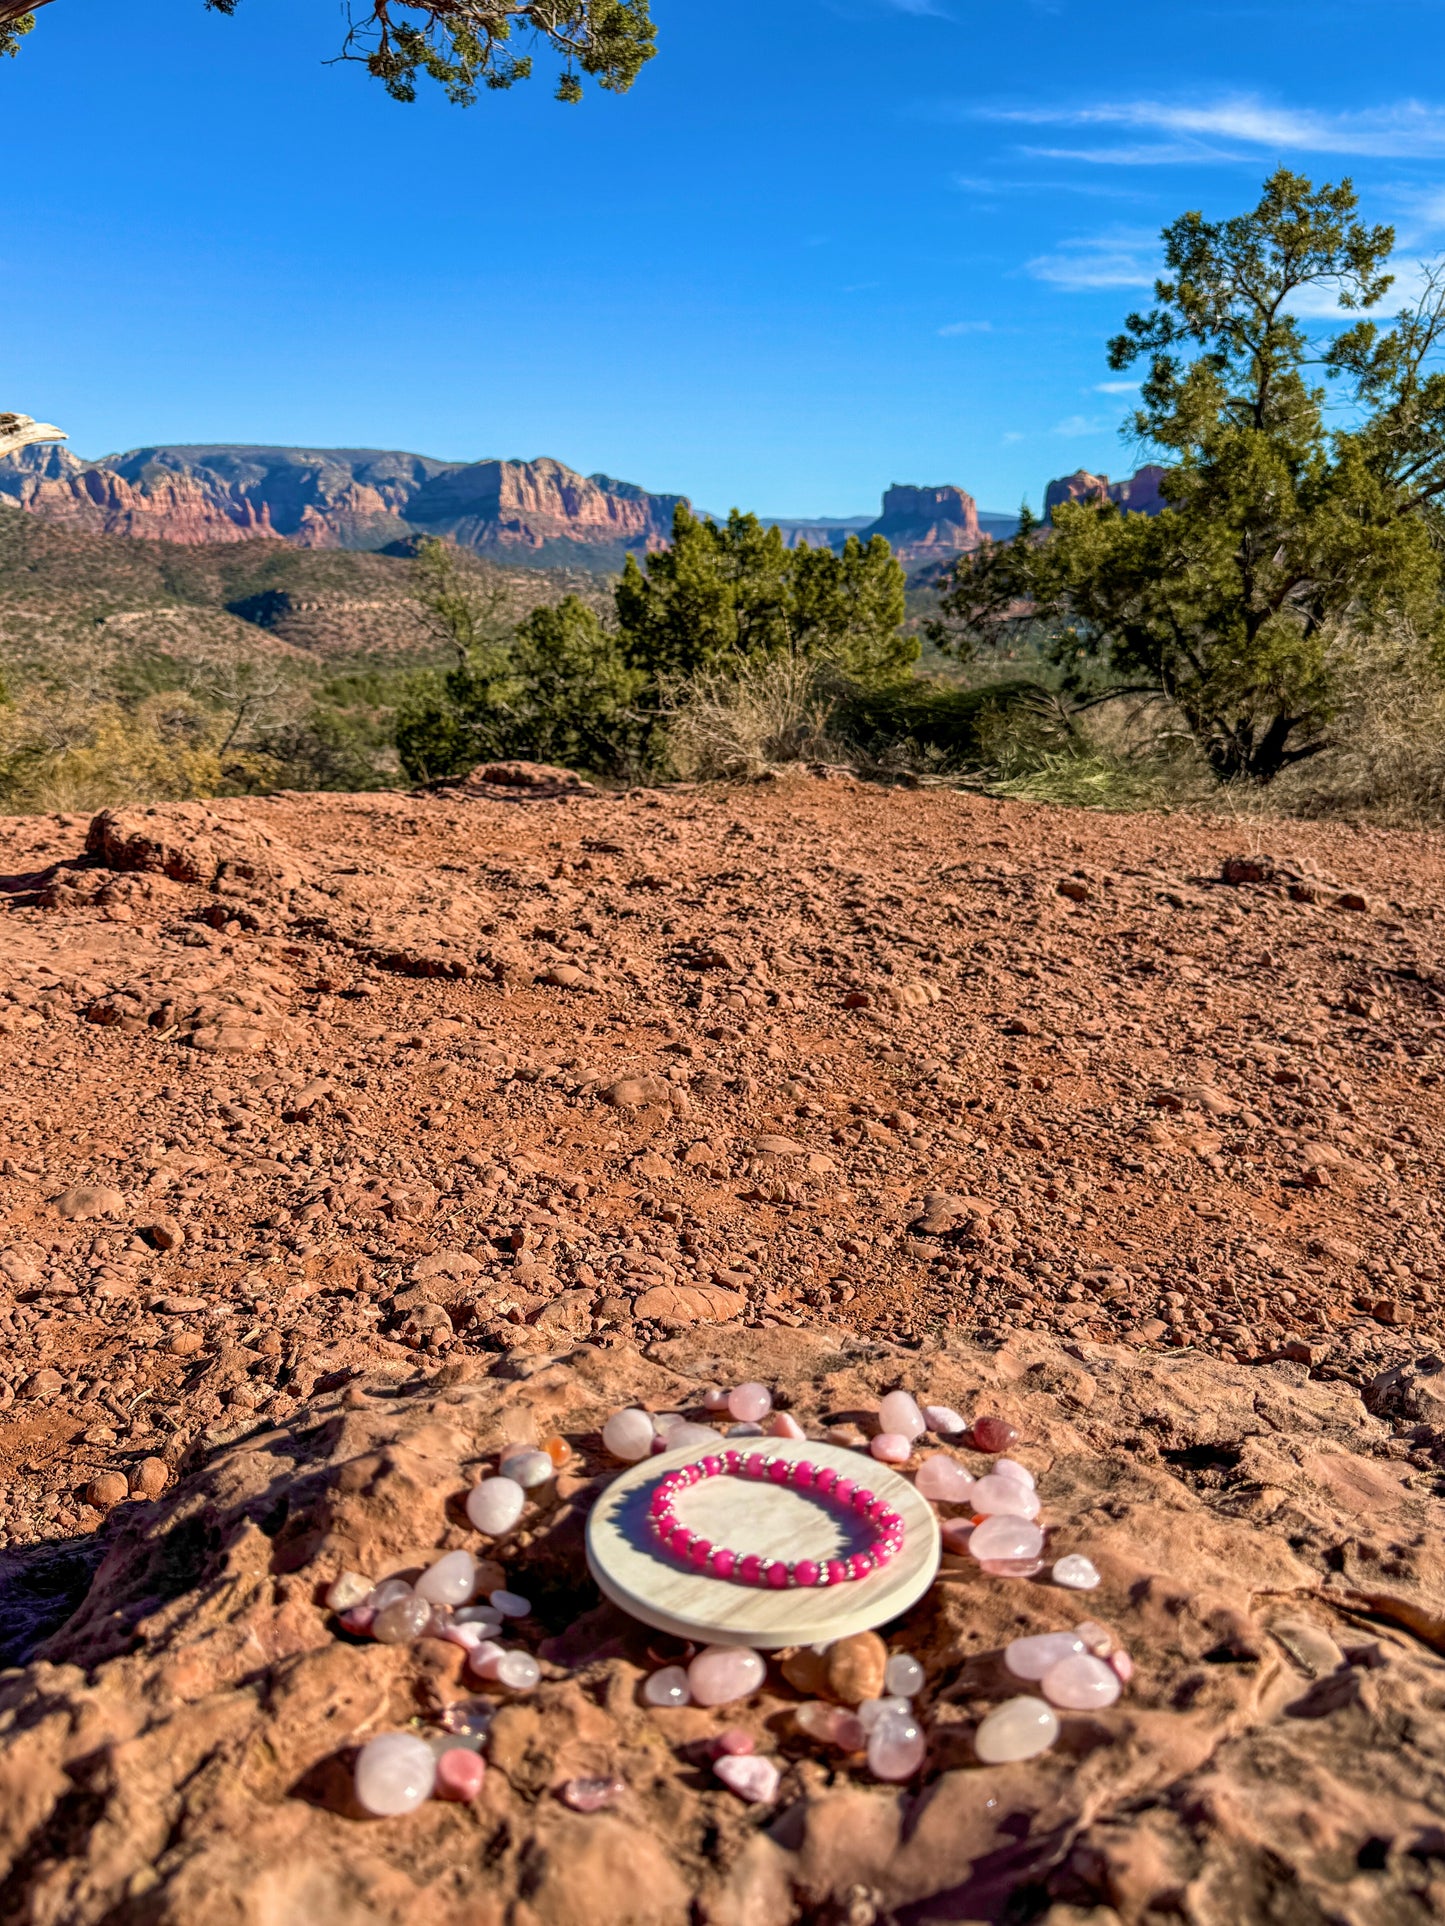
x=775 y=1573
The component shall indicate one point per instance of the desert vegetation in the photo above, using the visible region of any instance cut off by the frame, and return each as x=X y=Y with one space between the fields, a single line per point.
x=1274 y=638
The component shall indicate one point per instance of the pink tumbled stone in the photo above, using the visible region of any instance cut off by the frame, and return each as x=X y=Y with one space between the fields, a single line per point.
x=896 y=1746
x=1003 y=1536
x=750 y=1402
x=785 y=1425
x=898 y=1412
x=995 y=1494
x=460 y=1774
x=715 y=1398
x=1011 y=1567
x=735 y=1742
x=721 y=1674
x=1081 y=1683
x=1123 y=1665
x=891 y=1448
x=749 y=1776
x=956 y=1533
x=944 y=1481
x=1030 y=1658
x=944 y=1421
x=1011 y=1468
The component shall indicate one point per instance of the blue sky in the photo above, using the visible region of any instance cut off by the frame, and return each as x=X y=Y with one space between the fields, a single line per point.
x=820 y=247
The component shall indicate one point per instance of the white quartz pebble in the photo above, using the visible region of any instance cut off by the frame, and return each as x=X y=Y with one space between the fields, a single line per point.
x=749 y=1775
x=993 y=1494
x=721 y=1673
x=628 y=1435
x=529 y=1469
x=1076 y=1572
x=495 y=1505
x=349 y=1589
x=395 y=1773
x=667 y=1687
x=482 y=1616
x=903 y=1676
x=1018 y=1729
x=450 y=1581
x=387 y=1592
x=944 y=1422
x=1030 y=1658
x=518 y=1671
x=1081 y=1682
x=898 y=1412
x=509 y=1604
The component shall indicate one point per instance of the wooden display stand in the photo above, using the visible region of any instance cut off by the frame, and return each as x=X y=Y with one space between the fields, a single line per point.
x=772 y=1520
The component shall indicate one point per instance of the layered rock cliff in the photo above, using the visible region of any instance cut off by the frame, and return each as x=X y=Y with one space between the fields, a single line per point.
x=1138 y=494
x=339 y=498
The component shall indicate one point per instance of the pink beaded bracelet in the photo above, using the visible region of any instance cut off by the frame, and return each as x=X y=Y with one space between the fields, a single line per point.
x=750 y=1569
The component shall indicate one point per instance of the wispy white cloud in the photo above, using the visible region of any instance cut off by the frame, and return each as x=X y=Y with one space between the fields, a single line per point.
x=1407 y=129
x=1072 y=426
x=967 y=327
x=926 y=7
x=1115 y=387
x=1118 y=258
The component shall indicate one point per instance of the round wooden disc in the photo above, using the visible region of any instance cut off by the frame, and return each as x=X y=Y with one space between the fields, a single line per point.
x=775 y=1522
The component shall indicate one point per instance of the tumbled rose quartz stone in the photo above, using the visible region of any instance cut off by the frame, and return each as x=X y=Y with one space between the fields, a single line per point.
x=715 y=1398
x=993 y=1493
x=450 y=1581
x=628 y=1435
x=1011 y=1468
x=484 y=1659
x=734 y=1740
x=1030 y=1658
x=1003 y=1536
x=785 y=1425
x=750 y=1402
x=903 y=1676
x=1123 y=1665
x=722 y=1673
x=750 y=1777
x=349 y=1589
x=402 y=1620
x=1018 y=1729
x=1081 y=1682
x=898 y=1412
x=891 y=1448
x=518 y=1671
x=591 y=1795
x=395 y=1773
x=692 y=1435
x=943 y=1421
x=495 y=1505
x=831 y=1725
x=667 y=1687
x=896 y=1746
x=992 y=1434
x=1011 y=1567
x=870 y=1711
x=460 y=1773
x=1076 y=1572
x=945 y=1482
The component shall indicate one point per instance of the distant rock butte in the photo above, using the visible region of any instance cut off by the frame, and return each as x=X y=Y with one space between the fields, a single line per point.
x=1139 y=494
x=338 y=498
